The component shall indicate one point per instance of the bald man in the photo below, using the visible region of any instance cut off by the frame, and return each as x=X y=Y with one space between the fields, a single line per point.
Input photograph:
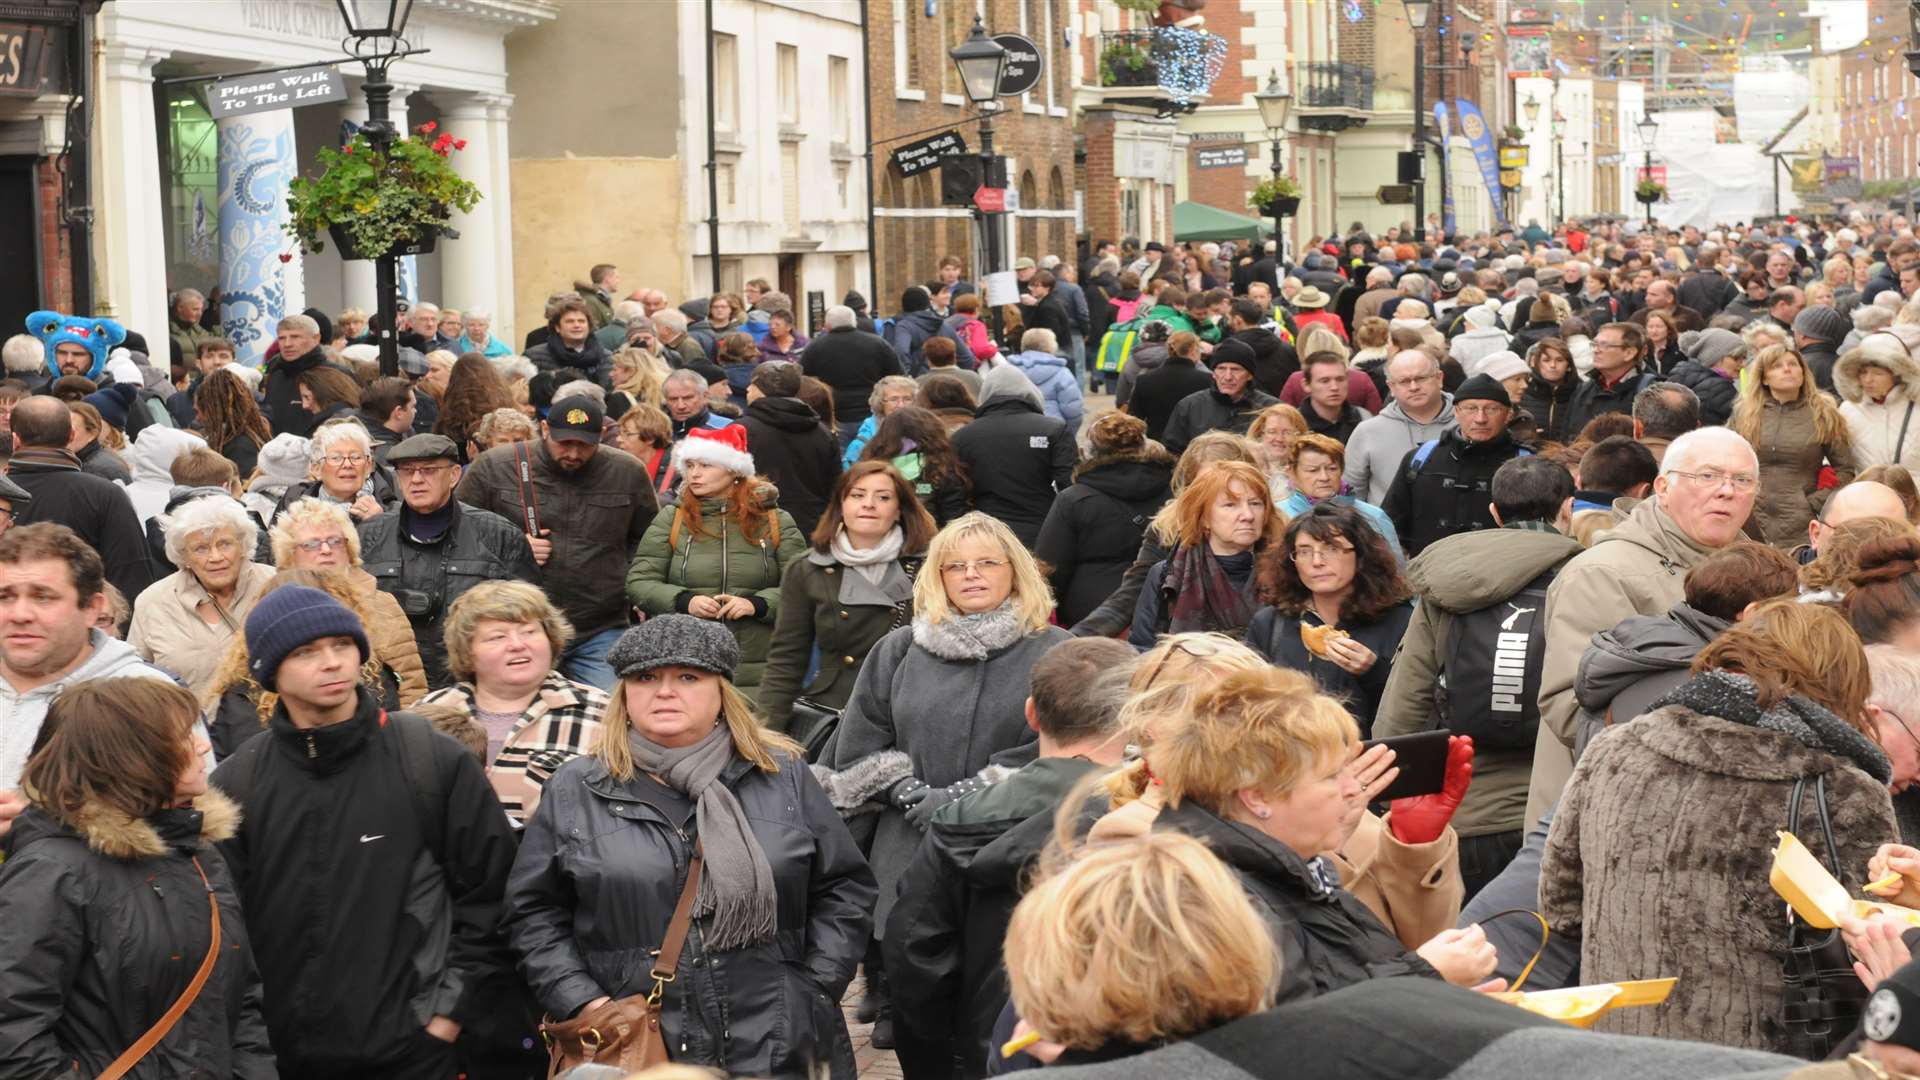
x=1858 y=500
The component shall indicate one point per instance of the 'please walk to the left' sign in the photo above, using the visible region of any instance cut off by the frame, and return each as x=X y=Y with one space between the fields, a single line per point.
x=239 y=95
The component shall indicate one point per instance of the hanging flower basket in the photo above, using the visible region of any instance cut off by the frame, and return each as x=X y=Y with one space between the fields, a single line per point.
x=1284 y=206
x=372 y=204
x=1649 y=192
x=1275 y=195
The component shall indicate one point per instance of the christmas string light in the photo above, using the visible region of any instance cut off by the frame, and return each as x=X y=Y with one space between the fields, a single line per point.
x=1188 y=61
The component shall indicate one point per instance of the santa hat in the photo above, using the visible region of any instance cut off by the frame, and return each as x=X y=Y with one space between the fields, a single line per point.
x=725 y=447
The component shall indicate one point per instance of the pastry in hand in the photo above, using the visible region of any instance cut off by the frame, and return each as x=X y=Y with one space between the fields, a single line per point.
x=1317 y=638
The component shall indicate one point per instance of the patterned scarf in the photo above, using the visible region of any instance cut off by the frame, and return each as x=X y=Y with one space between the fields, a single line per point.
x=1203 y=594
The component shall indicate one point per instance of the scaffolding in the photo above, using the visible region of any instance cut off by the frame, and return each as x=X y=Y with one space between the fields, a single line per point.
x=1681 y=65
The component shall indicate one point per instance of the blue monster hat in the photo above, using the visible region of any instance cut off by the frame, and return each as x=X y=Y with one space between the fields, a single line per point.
x=97 y=336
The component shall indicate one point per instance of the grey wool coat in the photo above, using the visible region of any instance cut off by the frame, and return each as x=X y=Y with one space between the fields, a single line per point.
x=1659 y=855
x=949 y=717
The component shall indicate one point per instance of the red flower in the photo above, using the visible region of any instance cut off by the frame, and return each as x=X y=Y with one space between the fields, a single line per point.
x=459 y=144
x=349 y=148
x=427 y=128
x=286 y=256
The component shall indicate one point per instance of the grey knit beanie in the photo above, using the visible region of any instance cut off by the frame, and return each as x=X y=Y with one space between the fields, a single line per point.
x=1823 y=323
x=1710 y=346
x=675 y=641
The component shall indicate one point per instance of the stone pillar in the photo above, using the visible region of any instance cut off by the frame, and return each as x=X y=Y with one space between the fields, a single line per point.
x=467 y=277
x=130 y=263
x=407 y=272
x=257 y=287
x=500 y=199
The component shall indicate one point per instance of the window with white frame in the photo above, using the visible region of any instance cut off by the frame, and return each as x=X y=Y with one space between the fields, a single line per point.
x=787 y=70
x=726 y=82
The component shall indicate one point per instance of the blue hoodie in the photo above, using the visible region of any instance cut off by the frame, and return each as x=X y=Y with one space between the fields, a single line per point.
x=1059 y=390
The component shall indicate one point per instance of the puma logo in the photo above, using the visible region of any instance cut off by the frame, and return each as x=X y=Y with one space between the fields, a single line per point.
x=1507 y=623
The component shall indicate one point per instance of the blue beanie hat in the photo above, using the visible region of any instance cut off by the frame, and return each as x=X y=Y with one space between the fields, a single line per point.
x=288 y=618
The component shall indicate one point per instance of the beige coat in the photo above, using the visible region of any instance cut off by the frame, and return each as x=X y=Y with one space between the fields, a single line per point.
x=391 y=635
x=1638 y=567
x=1415 y=889
x=168 y=632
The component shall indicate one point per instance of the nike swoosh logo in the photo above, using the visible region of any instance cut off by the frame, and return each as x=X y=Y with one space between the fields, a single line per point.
x=369 y=839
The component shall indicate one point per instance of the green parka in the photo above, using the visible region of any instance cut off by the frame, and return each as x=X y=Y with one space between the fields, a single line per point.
x=670 y=569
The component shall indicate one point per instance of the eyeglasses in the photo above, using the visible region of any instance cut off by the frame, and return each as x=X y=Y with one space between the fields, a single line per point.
x=225 y=546
x=337 y=460
x=1413 y=380
x=984 y=567
x=1741 y=482
x=405 y=471
x=1320 y=554
x=1480 y=409
x=322 y=544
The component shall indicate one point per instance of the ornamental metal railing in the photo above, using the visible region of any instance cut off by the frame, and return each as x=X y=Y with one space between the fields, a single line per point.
x=1323 y=85
x=1183 y=63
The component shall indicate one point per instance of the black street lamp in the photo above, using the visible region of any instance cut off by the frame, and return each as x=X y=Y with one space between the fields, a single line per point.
x=1559 y=167
x=1418 y=12
x=1274 y=103
x=1649 y=127
x=374 y=29
x=981 y=61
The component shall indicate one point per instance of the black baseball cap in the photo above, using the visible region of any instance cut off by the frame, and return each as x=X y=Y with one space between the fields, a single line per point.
x=575 y=418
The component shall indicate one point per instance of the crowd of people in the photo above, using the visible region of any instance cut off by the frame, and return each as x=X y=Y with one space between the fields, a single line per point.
x=627 y=694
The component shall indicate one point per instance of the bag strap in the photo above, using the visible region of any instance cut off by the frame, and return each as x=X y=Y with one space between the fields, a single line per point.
x=1537 y=953
x=414 y=735
x=668 y=961
x=145 y=1044
x=529 y=495
x=1901 y=446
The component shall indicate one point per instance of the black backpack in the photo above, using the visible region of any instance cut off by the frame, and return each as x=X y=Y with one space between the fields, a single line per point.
x=1489 y=685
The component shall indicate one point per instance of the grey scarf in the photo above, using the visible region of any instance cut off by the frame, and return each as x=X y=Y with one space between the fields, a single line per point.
x=737 y=886
x=970 y=637
x=1732 y=696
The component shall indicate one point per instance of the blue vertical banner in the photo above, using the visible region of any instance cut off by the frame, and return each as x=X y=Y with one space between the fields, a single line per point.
x=256 y=162
x=1446 y=178
x=1480 y=137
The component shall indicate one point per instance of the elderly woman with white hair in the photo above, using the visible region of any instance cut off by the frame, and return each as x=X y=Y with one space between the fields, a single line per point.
x=476 y=335
x=341 y=469
x=184 y=622
x=1039 y=357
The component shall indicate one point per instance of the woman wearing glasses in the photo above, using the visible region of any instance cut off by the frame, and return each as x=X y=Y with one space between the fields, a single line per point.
x=1795 y=430
x=318 y=535
x=184 y=622
x=341 y=470
x=1337 y=607
x=1219 y=523
x=1318 y=476
x=937 y=700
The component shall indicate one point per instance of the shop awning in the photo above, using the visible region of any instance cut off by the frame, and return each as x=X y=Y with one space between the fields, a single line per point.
x=1198 y=221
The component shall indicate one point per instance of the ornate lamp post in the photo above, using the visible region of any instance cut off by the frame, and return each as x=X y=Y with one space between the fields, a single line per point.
x=1274 y=104
x=374 y=29
x=981 y=61
x=1649 y=127
x=1418 y=11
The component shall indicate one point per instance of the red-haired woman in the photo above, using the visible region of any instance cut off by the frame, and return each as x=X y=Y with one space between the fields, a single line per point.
x=720 y=554
x=1219 y=521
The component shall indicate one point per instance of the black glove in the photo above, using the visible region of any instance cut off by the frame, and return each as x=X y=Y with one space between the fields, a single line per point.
x=907 y=793
x=922 y=814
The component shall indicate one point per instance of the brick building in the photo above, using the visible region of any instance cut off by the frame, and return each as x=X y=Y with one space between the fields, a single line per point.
x=1879 y=97
x=914 y=90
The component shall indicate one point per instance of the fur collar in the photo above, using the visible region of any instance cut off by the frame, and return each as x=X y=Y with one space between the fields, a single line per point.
x=119 y=836
x=970 y=637
x=1150 y=454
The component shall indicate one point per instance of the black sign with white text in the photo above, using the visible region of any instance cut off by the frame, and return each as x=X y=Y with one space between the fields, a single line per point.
x=918 y=157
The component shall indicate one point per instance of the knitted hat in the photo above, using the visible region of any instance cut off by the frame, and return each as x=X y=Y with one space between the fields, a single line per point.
x=1823 y=323
x=1710 y=346
x=284 y=459
x=97 y=336
x=1482 y=387
x=675 y=641
x=290 y=617
x=113 y=402
x=1232 y=351
x=1502 y=365
x=1481 y=316
x=725 y=447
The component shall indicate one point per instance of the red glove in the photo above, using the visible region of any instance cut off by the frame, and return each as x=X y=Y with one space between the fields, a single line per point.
x=1422 y=818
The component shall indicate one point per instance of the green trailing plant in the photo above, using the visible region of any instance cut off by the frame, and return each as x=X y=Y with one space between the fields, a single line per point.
x=1515 y=133
x=1123 y=63
x=381 y=200
x=1144 y=7
x=1649 y=191
x=1274 y=187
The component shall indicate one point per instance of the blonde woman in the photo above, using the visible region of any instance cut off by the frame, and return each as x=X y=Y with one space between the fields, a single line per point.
x=1795 y=430
x=1196 y=954
x=682 y=768
x=1362 y=390
x=1273 y=431
x=503 y=641
x=937 y=699
x=1251 y=760
x=638 y=379
x=313 y=534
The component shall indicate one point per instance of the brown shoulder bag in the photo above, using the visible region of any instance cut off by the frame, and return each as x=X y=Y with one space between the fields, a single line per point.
x=141 y=1048
x=626 y=1033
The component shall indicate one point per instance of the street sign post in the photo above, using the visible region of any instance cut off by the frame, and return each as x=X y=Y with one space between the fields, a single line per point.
x=1022 y=72
x=1395 y=194
x=239 y=95
x=991 y=200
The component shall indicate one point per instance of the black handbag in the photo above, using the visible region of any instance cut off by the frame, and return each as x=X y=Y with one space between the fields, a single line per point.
x=812 y=725
x=1824 y=998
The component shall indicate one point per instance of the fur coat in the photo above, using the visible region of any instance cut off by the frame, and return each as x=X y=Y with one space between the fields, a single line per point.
x=1660 y=852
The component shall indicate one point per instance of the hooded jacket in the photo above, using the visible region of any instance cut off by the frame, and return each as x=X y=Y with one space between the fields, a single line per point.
x=1454 y=576
x=1628 y=668
x=1093 y=530
x=594 y=886
x=1638 y=567
x=1716 y=392
x=1016 y=456
x=107 y=922
x=1059 y=389
x=365 y=926
x=1877 y=427
x=111 y=659
x=1477 y=344
x=673 y=565
x=1156 y=391
x=911 y=331
x=1380 y=443
x=153 y=455
x=796 y=453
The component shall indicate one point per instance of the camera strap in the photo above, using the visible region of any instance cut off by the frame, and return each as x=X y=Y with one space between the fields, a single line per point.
x=529 y=496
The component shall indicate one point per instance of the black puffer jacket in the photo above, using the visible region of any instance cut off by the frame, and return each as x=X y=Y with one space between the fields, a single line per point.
x=791 y=449
x=105 y=927
x=1327 y=938
x=850 y=361
x=425 y=579
x=1716 y=392
x=1597 y=399
x=1211 y=410
x=280 y=391
x=1628 y=668
x=1450 y=492
x=600 y=869
x=1016 y=457
x=1551 y=406
x=1093 y=531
